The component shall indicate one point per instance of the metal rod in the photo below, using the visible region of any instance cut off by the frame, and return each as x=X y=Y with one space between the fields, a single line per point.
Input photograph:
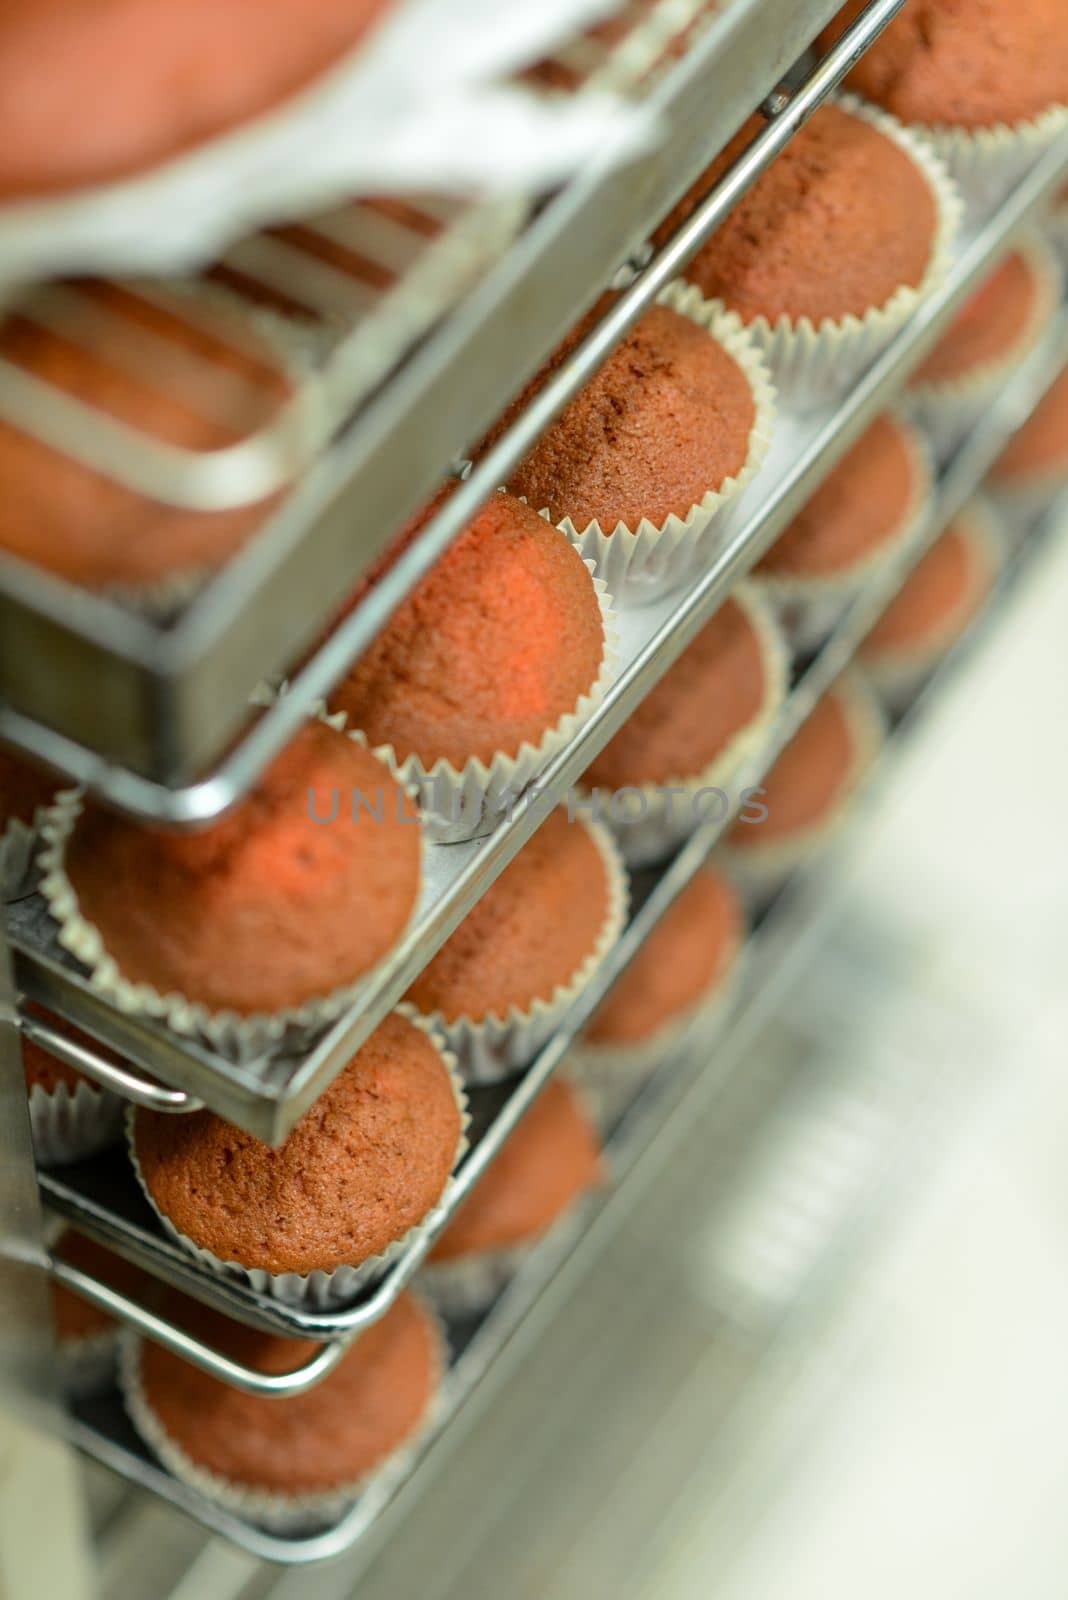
x=193 y=1350
x=122 y=1080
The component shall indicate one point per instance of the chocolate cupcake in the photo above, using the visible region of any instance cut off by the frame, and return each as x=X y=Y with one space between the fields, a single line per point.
x=682 y=978
x=70 y=1116
x=1032 y=470
x=831 y=250
x=858 y=520
x=985 y=82
x=550 y=1161
x=934 y=606
x=294 y=1462
x=665 y=771
x=26 y=792
x=125 y=87
x=995 y=329
x=361 y=1175
x=486 y=670
x=806 y=796
x=84 y=527
x=501 y=983
x=637 y=467
x=266 y=920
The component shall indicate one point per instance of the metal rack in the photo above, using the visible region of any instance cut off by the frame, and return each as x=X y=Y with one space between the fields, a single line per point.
x=171 y=699
x=174 y=693
x=267 y=1096
x=781 y=946
x=107 y=1203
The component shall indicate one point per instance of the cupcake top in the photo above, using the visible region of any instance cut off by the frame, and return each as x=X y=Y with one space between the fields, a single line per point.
x=809 y=779
x=86 y=528
x=363 y=1165
x=988 y=327
x=24 y=788
x=716 y=688
x=548 y=1162
x=863 y=502
x=943 y=591
x=1041 y=445
x=687 y=954
x=496 y=645
x=667 y=419
x=75 y=1318
x=841 y=220
x=122 y=87
x=972 y=65
x=330 y=1436
x=269 y=907
x=531 y=932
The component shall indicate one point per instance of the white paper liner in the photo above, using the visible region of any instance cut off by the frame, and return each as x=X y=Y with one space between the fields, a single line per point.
x=610 y=1075
x=986 y=163
x=420 y=105
x=270 y=1509
x=949 y=409
x=87 y=1365
x=896 y=675
x=809 y=607
x=70 y=1124
x=760 y=870
x=815 y=364
x=1025 y=497
x=668 y=812
x=641 y=564
x=238 y=1037
x=458 y=804
x=464 y=1286
x=320 y=1289
x=495 y=1047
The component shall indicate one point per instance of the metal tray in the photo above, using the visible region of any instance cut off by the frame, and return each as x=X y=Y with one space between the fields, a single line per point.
x=484 y=1349
x=268 y=1096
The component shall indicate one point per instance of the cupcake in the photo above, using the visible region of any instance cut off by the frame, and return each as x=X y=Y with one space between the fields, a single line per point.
x=944 y=591
x=664 y=772
x=1033 y=468
x=486 y=670
x=636 y=468
x=986 y=82
x=125 y=87
x=84 y=527
x=857 y=521
x=990 y=335
x=357 y=1180
x=683 y=971
x=831 y=249
x=266 y=919
x=26 y=791
x=805 y=797
x=499 y=986
x=290 y=1462
x=87 y=1338
x=547 y=1164
x=71 y=1117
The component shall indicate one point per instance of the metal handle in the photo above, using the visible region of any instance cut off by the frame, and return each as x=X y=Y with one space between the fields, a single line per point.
x=191 y=1349
x=122 y=1080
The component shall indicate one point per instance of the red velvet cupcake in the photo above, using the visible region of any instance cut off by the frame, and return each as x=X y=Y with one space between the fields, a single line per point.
x=1033 y=468
x=265 y=920
x=71 y=1117
x=545 y=1167
x=294 y=1462
x=487 y=670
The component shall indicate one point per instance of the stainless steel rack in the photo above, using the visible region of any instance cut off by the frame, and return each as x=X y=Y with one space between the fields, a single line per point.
x=484 y=1349
x=169 y=700
x=267 y=1096
x=105 y=1201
